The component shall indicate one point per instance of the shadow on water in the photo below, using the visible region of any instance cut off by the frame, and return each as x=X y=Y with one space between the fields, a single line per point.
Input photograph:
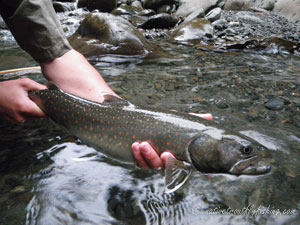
x=48 y=177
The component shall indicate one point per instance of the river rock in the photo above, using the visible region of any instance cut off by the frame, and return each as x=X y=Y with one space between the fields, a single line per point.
x=103 y=33
x=147 y=12
x=290 y=9
x=199 y=13
x=102 y=5
x=2 y=23
x=187 y=7
x=214 y=14
x=192 y=31
x=162 y=21
x=125 y=10
x=264 y=4
x=164 y=9
x=62 y=7
x=137 y=4
x=237 y=5
x=155 y=4
x=66 y=0
x=275 y=104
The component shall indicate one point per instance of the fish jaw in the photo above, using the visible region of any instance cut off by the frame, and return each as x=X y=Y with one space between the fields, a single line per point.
x=248 y=167
x=36 y=99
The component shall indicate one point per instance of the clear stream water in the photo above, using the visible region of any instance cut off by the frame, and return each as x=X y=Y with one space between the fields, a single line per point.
x=49 y=177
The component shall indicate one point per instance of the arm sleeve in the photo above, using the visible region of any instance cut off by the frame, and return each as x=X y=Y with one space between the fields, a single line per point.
x=36 y=28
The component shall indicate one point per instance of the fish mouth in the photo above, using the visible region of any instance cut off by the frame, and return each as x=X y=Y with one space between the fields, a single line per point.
x=247 y=167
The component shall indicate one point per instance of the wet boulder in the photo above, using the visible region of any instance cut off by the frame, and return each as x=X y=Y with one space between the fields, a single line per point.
x=237 y=5
x=155 y=4
x=193 y=31
x=198 y=13
x=264 y=4
x=102 y=5
x=62 y=7
x=161 y=21
x=103 y=33
x=214 y=14
x=290 y=9
x=187 y=7
x=66 y=0
x=125 y=9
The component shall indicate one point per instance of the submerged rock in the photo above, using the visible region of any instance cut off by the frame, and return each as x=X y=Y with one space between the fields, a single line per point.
x=161 y=21
x=103 y=33
x=102 y=5
x=192 y=31
x=275 y=104
x=268 y=45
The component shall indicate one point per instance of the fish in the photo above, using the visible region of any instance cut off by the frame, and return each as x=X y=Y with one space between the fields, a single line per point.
x=112 y=126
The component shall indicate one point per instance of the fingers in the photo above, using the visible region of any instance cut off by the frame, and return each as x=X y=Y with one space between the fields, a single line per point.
x=165 y=155
x=206 y=116
x=30 y=85
x=146 y=157
x=138 y=156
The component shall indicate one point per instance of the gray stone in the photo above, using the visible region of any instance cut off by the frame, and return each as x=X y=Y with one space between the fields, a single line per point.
x=164 y=9
x=63 y=7
x=2 y=23
x=103 y=33
x=290 y=9
x=199 y=13
x=187 y=7
x=249 y=17
x=102 y=5
x=155 y=4
x=125 y=10
x=147 y=12
x=237 y=5
x=137 y=4
x=214 y=14
x=220 y=24
x=192 y=31
x=162 y=21
x=66 y=0
x=264 y=4
x=275 y=104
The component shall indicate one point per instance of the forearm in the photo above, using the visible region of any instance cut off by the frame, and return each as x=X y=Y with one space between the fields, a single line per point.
x=73 y=73
x=36 y=28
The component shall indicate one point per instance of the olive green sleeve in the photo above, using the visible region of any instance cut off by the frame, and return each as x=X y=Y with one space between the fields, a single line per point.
x=36 y=28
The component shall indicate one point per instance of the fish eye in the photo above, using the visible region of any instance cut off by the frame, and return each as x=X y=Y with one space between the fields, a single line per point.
x=246 y=149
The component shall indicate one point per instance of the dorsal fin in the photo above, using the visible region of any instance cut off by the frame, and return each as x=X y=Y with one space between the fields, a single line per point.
x=52 y=86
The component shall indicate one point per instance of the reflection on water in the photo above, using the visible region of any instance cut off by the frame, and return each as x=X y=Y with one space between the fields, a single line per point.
x=48 y=177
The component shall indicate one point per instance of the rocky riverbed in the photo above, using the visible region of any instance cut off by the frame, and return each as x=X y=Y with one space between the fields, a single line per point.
x=239 y=60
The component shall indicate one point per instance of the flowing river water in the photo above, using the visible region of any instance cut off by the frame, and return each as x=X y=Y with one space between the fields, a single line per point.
x=49 y=177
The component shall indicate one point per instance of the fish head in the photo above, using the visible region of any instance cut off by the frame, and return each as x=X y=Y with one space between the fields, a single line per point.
x=38 y=97
x=232 y=154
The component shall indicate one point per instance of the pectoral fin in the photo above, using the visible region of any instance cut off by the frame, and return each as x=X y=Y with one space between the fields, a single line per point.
x=176 y=174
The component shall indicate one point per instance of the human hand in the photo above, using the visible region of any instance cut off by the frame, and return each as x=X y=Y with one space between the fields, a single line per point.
x=147 y=158
x=15 y=104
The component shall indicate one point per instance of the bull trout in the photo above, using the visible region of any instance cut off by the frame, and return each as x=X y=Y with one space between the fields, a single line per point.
x=112 y=127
